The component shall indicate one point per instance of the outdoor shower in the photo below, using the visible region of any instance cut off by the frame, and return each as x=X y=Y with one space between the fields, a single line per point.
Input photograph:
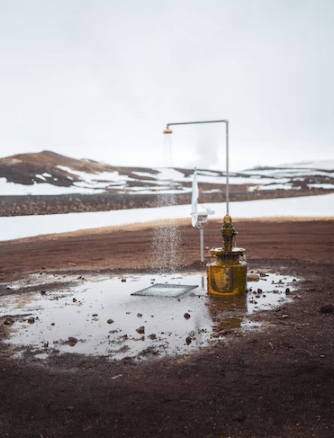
x=227 y=275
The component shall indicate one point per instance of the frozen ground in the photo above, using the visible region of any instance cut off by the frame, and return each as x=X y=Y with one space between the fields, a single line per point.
x=28 y=226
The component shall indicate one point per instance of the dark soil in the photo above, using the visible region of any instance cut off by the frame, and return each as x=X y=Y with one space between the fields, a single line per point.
x=276 y=382
x=77 y=203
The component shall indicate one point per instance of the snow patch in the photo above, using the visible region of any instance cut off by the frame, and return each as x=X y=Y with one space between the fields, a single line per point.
x=28 y=226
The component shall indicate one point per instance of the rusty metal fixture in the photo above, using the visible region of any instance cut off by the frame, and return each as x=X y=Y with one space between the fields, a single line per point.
x=228 y=232
x=227 y=275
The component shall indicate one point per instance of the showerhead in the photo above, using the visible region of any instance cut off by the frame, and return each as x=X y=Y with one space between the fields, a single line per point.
x=167 y=131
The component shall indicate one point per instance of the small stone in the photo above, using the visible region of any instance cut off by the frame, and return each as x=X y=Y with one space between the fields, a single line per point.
x=259 y=291
x=123 y=280
x=186 y=315
x=240 y=416
x=72 y=341
x=139 y=315
x=31 y=320
x=287 y=291
x=45 y=345
x=253 y=277
x=153 y=336
x=284 y=317
x=43 y=292
x=188 y=340
x=141 y=330
x=110 y=321
x=95 y=314
x=53 y=324
x=275 y=291
x=328 y=308
x=8 y=321
x=74 y=300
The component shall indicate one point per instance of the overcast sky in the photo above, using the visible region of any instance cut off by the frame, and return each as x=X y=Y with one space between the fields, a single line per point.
x=100 y=79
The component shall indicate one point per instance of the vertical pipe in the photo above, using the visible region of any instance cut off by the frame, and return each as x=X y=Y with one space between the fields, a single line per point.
x=202 y=241
x=227 y=172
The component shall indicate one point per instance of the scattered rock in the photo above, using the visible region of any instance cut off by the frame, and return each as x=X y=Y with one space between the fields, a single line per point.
x=95 y=314
x=287 y=291
x=45 y=345
x=110 y=321
x=139 y=315
x=72 y=341
x=253 y=277
x=31 y=320
x=153 y=336
x=123 y=280
x=186 y=315
x=275 y=291
x=43 y=292
x=259 y=291
x=74 y=300
x=52 y=323
x=239 y=416
x=141 y=330
x=188 y=340
x=328 y=308
x=8 y=321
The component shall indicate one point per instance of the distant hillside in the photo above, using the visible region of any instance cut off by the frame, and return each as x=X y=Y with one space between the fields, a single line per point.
x=48 y=183
x=48 y=173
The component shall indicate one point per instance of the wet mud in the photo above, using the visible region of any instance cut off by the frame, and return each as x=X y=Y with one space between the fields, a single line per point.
x=272 y=382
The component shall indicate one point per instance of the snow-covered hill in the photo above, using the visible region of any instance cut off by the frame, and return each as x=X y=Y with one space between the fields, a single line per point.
x=48 y=173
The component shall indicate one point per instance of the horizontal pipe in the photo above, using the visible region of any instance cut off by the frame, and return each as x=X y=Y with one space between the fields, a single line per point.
x=196 y=123
x=227 y=153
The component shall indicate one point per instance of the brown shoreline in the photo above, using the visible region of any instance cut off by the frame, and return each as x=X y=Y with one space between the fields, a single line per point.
x=129 y=247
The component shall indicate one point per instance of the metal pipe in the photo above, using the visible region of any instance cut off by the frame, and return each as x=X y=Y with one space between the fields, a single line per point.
x=227 y=152
x=201 y=234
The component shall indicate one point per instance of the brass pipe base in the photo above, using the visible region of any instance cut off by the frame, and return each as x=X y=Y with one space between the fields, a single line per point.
x=227 y=280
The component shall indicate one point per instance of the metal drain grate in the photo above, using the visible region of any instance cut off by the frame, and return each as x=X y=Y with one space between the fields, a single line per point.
x=165 y=290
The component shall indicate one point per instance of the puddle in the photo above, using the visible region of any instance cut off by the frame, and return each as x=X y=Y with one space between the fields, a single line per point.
x=104 y=317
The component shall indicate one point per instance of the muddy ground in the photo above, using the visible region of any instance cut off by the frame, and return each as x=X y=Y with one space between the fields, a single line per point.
x=277 y=382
